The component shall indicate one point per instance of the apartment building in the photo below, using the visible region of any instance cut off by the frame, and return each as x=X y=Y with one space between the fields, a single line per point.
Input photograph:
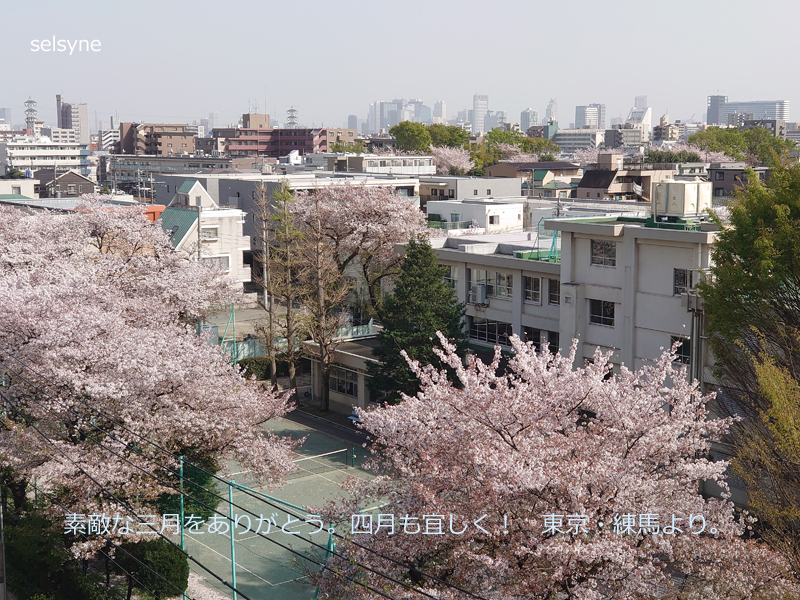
x=571 y=140
x=162 y=139
x=31 y=154
x=123 y=171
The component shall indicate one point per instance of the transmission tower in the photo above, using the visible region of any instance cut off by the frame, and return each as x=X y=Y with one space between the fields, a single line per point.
x=291 y=118
x=30 y=115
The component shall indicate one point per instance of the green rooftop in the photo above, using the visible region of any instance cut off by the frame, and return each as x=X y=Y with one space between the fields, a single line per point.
x=181 y=219
x=187 y=186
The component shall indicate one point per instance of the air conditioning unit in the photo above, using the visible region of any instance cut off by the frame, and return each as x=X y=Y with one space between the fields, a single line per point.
x=477 y=294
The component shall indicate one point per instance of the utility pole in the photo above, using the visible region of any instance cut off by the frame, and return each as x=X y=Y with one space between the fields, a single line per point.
x=199 y=239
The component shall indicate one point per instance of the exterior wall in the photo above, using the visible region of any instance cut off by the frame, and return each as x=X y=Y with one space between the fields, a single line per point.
x=509 y=216
x=21 y=187
x=640 y=285
x=68 y=185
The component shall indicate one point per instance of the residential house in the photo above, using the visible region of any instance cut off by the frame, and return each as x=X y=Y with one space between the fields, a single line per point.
x=612 y=180
x=65 y=185
x=195 y=220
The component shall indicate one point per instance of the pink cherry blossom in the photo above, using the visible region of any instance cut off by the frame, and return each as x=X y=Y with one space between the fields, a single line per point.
x=545 y=438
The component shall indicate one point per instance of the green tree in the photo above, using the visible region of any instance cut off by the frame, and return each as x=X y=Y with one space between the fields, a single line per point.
x=668 y=156
x=411 y=137
x=158 y=567
x=422 y=304
x=504 y=136
x=757 y=145
x=540 y=147
x=355 y=147
x=450 y=136
x=13 y=173
x=752 y=308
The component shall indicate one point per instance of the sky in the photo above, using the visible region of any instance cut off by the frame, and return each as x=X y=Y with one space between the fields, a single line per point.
x=177 y=60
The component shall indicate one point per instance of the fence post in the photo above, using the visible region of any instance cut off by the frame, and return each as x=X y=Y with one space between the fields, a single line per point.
x=183 y=542
x=233 y=551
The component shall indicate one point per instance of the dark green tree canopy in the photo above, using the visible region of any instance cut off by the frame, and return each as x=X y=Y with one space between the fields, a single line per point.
x=757 y=145
x=411 y=137
x=422 y=304
x=451 y=136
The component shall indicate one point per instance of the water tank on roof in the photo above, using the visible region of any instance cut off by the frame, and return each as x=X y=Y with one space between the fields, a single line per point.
x=681 y=198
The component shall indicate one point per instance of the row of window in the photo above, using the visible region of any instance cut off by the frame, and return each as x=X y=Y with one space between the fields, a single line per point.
x=344 y=382
x=532 y=287
x=501 y=285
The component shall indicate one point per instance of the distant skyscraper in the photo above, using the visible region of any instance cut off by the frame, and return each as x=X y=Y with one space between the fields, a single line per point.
x=760 y=109
x=714 y=110
x=528 y=118
x=480 y=106
x=440 y=111
x=640 y=102
x=73 y=116
x=551 y=114
x=592 y=115
x=352 y=122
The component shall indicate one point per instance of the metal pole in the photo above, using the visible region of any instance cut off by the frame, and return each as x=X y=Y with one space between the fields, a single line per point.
x=183 y=541
x=233 y=551
x=3 y=544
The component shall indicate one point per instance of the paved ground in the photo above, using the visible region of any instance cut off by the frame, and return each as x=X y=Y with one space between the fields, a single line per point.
x=264 y=569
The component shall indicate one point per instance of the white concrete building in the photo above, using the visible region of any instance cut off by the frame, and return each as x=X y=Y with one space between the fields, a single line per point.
x=221 y=229
x=60 y=135
x=28 y=153
x=491 y=215
x=571 y=140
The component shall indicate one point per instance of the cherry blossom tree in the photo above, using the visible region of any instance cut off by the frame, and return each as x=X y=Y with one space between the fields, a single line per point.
x=362 y=225
x=558 y=460
x=511 y=153
x=451 y=161
x=96 y=314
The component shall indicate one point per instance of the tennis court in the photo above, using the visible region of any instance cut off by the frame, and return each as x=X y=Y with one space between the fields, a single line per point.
x=264 y=569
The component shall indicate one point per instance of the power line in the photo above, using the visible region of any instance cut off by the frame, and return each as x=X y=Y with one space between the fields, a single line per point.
x=247 y=492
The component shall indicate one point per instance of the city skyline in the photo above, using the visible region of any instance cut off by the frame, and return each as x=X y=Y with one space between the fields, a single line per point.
x=200 y=80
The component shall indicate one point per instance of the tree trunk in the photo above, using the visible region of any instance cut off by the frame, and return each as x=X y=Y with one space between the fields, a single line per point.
x=130 y=587
x=19 y=488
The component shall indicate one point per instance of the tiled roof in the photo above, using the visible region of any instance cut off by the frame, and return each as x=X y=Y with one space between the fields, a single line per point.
x=181 y=219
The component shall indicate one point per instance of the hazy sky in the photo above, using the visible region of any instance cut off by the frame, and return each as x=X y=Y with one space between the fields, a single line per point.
x=174 y=60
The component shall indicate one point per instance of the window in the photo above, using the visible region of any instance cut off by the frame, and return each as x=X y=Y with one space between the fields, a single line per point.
x=719 y=191
x=552 y=342
x=719 y=176
x=601 y=312
x=488 y=192
x=533 y=290
x=451 y=277
x=604 y=253
x=209 y=233
x=504 y=285
x=533 y=335
x=434 y=192
x=681 y=281
x=554 y=291
x=451 y=193
x=492 y=332
x=344 y=382
x=684 y=350
x=475 y=193
x=197 y=200
x=71 y=189
x=16 y=189
x=223 y=262
x=598 y=194
x=494 y=219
